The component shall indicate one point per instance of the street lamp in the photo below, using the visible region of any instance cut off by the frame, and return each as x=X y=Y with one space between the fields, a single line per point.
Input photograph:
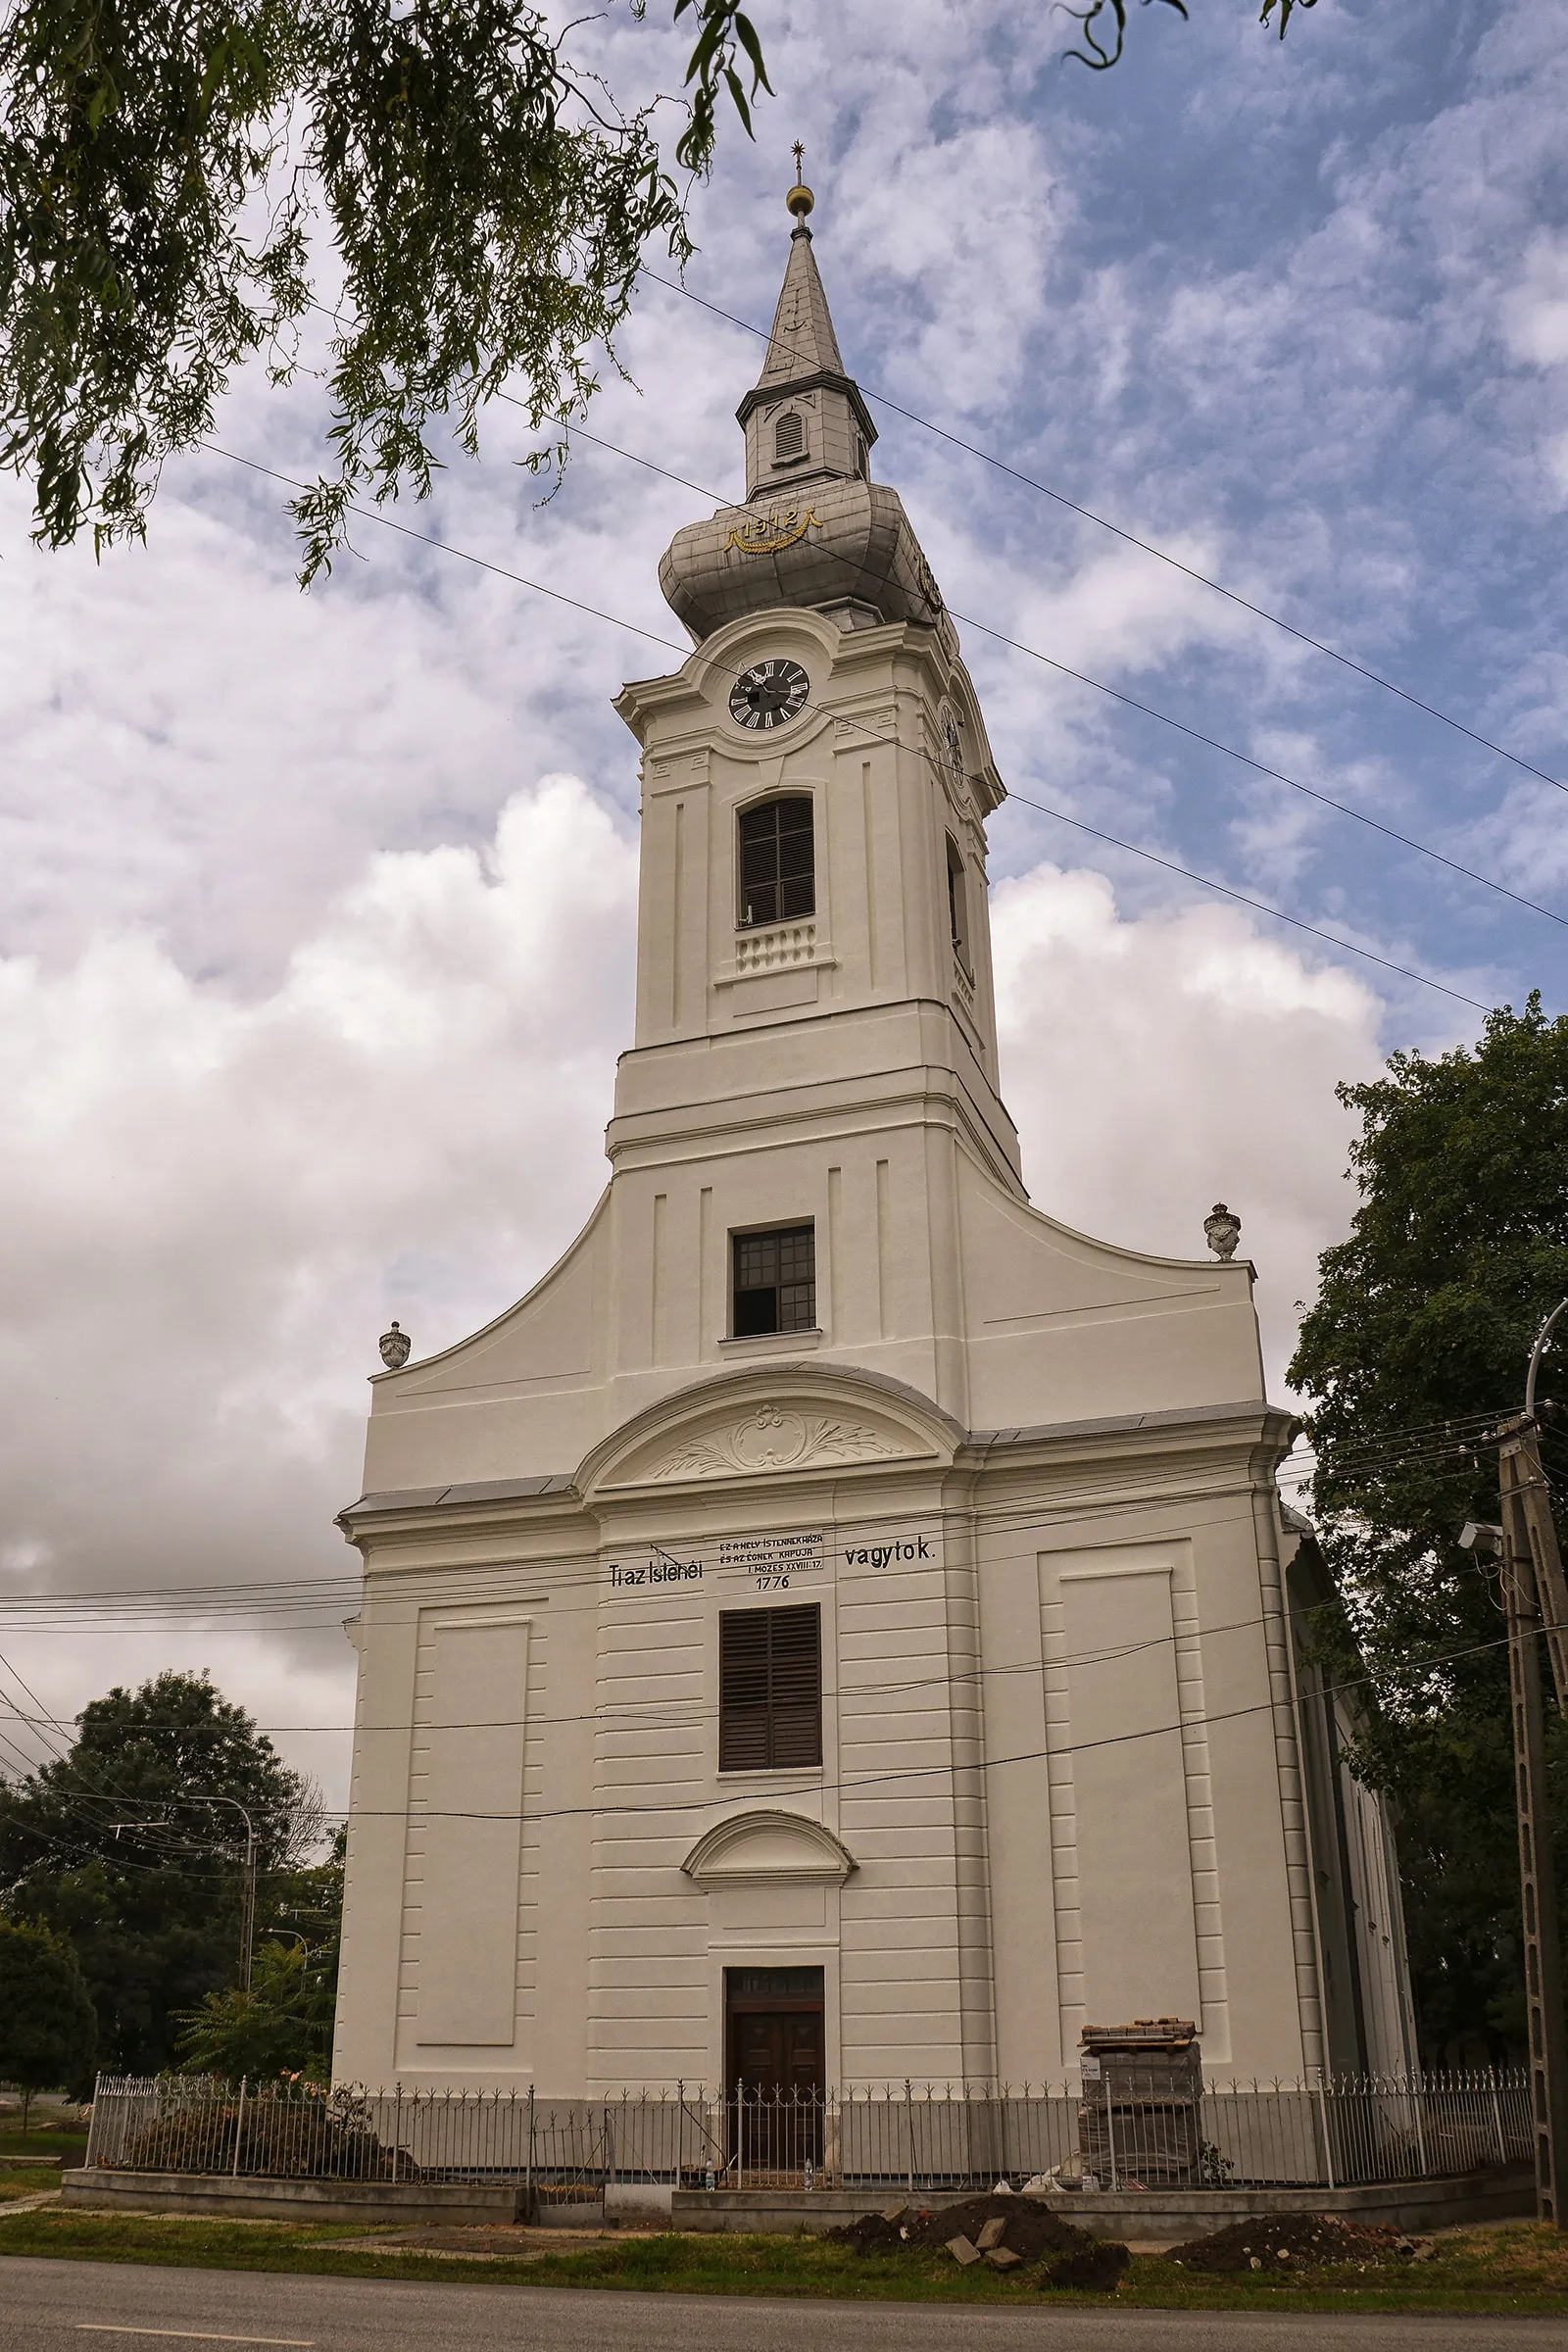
x=247 y=1916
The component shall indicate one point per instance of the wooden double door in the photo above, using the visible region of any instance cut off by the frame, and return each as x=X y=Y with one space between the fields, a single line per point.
x=774 y=2067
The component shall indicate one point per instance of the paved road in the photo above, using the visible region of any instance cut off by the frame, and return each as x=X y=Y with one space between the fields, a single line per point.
x=118 y=2307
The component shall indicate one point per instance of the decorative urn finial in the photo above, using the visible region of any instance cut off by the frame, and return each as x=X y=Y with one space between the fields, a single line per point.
x=1222 y=1230
x=393 y=1346
x=800 y=199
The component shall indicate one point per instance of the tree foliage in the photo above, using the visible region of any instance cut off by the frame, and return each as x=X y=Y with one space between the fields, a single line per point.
x=1421 y=1330
x=48 y=2032
x=115 y=1848
x=168 y=169
x=1109 y=16
x=282 y=2025
x=184 y=184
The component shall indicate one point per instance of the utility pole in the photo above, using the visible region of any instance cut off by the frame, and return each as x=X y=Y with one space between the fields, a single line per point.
x=247 y=1910
x=1535 y=1601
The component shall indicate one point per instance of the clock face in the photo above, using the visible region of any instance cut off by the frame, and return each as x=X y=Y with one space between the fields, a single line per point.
x=769 y=693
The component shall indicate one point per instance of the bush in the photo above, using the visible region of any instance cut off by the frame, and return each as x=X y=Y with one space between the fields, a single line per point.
x=305 y=2134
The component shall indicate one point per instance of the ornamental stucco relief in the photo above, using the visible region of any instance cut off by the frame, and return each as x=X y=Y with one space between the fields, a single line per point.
x=776 y=1438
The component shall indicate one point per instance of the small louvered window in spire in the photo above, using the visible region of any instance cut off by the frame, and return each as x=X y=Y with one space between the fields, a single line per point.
x=789 y=437
x=769 y=1689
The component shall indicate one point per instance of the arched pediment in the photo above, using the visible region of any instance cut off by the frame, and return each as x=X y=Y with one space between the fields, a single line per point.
x=764 y=1423
x=768 y=1848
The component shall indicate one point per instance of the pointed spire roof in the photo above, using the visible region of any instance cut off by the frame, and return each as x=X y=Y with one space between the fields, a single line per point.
x=803 y=342
x=802 y=357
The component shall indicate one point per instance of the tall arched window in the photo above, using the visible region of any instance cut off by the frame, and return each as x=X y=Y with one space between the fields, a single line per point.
x=957 y=904
x=789 y=437
x=778 y=877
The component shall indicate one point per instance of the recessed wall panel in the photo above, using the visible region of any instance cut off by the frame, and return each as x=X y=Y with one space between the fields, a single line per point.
x=1128 y=1854
x=467 y=1969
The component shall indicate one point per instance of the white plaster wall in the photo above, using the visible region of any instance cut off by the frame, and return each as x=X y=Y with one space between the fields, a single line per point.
x=1048 y=1747
x=1016 y=1868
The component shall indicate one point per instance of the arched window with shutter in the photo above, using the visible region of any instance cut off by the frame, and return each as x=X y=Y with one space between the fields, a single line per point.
x=957 y=904
x=777 y=862
x=789 y=437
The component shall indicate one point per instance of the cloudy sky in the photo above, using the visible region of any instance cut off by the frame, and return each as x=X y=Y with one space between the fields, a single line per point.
x=314 y=944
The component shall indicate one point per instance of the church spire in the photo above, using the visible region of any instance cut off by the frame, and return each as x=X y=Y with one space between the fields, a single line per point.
x=804 y=419
x=802 y=340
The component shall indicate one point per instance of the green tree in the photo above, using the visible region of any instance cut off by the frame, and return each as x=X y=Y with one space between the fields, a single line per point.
x=282 y=2025
x=48 y=2032
x=1420 y=1335
x=115 y=1848
x=183 y=183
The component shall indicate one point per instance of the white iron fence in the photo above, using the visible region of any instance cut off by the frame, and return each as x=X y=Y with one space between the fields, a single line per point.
x=1349 y=2132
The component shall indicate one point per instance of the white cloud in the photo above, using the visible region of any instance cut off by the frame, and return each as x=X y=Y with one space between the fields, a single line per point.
x=211 y=1205
x=1535 y=311
x=1155 y=1066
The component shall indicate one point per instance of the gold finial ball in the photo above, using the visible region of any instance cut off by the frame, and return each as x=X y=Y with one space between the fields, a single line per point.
x=800 y=200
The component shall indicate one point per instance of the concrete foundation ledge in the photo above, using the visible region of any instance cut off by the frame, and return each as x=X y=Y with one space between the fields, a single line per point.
x=1148 y=2217
x=453 y=2202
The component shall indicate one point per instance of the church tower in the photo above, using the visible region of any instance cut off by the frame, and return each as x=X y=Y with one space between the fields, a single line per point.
x=836 y=1627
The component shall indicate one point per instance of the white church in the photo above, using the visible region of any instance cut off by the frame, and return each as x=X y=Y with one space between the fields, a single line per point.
x=840 y=1626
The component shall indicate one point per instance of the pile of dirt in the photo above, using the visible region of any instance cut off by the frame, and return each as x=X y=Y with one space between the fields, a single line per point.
x=1284 y=2242
x=1030 y=2231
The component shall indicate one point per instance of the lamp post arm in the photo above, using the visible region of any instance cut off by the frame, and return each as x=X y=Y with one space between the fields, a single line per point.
x=1535 y=1352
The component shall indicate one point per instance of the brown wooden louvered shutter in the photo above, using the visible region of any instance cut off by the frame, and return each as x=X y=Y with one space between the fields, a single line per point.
x=769 y=1689
x=795 y=1688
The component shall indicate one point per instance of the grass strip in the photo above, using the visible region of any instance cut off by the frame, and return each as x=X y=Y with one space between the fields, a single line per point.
x=1519 y=2271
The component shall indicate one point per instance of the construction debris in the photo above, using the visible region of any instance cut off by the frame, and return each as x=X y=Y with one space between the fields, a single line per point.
x=1007 y=2232
x=1286 y=2241
x=1143 y=2089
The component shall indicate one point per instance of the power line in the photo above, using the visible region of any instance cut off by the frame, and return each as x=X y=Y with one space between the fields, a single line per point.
x=98 y=1609
x=1161 y=555
x=1259 y=906
x=674 y=1714
x=26 y=1689
x=404 y=1596
x=917 y=1772
x=401 y=1592
x=635 y=628
x=1131 y=701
